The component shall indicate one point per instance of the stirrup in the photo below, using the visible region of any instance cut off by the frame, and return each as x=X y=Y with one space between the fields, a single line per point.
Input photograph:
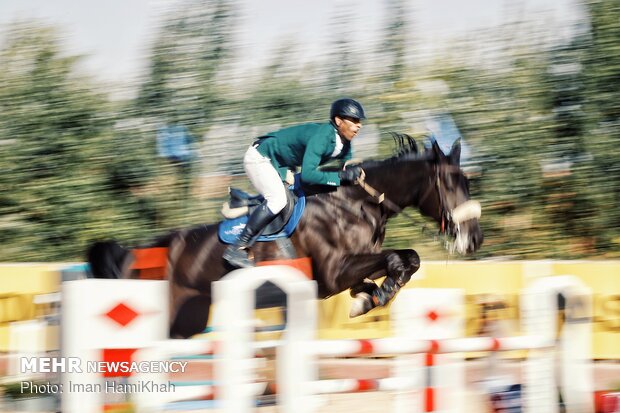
x=238 y=257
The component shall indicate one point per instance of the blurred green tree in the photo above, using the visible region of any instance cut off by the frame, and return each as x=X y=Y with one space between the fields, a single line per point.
x=50 y=124
x=281 y=95
x=192 y=48
x=344 y=75
x=601 y=74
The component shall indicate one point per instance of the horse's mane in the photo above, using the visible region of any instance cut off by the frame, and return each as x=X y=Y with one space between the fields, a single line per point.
x=406 y=148
x=405 y=145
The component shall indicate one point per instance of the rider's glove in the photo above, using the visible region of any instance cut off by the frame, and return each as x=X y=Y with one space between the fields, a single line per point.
x=350 y=175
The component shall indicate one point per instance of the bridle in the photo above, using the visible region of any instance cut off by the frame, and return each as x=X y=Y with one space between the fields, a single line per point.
x=446 y=217
x=464 y=211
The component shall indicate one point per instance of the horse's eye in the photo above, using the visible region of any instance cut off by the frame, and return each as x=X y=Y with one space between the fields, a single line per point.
x=449 y=183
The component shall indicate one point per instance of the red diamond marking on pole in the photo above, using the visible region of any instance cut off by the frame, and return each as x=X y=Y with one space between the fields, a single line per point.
x=122 y=314
x=432 y=315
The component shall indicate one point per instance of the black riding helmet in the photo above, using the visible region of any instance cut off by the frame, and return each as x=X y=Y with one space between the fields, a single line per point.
x=347 y=107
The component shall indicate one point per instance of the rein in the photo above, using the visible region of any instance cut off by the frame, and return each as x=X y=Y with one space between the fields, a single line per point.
x=381 y=199
x=379 y=196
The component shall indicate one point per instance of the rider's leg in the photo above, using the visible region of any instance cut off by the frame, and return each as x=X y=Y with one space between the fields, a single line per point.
x=237 y=254
x=267 y=181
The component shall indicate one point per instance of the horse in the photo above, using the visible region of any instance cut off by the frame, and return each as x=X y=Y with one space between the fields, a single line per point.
x=341 y=231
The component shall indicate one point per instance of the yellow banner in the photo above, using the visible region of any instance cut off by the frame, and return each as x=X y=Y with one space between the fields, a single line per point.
x=492 y=290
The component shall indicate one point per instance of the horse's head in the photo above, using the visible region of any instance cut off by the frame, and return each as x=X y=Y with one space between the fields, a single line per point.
x=446 y=200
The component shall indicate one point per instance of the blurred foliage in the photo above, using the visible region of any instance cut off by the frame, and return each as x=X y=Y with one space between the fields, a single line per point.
x=194 y=44
x=541 y=113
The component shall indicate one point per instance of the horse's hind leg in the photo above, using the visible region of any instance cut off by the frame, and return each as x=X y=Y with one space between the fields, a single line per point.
x=191 y=317
x=189 y=311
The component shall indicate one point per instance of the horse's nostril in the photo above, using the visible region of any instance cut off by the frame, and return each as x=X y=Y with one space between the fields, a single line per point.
x=478 y=238
x=475 y=241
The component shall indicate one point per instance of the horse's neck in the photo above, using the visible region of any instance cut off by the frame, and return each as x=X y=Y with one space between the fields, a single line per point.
x=402 y=183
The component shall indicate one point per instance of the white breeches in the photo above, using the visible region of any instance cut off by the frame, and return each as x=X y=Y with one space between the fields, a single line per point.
x=265 y=179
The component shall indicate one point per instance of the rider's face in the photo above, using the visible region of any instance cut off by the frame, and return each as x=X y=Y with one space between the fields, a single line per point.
x=348 y=127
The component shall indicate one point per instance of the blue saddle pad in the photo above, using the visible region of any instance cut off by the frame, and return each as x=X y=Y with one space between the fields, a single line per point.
x=230 y=229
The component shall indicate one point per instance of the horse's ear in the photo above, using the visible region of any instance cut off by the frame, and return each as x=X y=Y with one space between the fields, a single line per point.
x=455 y=152
x=436 y=149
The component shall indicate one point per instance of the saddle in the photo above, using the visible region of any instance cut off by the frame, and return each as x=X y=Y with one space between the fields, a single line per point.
x=242 y=203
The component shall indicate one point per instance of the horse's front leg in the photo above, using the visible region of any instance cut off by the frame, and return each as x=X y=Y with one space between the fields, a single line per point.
x=397 y=265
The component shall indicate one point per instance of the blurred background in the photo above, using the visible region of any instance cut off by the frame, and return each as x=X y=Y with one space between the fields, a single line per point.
x=126 y=120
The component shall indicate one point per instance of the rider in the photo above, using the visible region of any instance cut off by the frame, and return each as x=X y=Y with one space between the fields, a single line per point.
x=308 y=146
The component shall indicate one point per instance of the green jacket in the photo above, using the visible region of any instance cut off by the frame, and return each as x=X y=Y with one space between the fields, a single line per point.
x=307 y=146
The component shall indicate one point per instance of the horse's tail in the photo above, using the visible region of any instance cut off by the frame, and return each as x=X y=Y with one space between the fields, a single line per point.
x=107 y=259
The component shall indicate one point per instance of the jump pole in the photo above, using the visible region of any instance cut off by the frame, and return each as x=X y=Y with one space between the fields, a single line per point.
x=573 y=350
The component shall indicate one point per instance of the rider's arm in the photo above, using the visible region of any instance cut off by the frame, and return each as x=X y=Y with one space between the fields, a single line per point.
x=310 y=172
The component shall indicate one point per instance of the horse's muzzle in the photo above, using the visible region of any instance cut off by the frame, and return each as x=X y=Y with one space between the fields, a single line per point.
x=469 y=235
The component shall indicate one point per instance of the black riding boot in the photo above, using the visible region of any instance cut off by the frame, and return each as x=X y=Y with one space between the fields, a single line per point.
x=237 y=254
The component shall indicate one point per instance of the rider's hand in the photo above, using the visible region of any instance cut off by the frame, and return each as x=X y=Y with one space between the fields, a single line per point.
x=350 y=175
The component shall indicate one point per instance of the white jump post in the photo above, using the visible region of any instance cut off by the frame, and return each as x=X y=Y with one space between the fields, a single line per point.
x=100 y=315
x=234 y=303
x=539 y=316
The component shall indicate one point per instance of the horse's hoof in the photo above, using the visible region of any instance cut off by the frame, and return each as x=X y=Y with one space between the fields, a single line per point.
x=362 y=303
